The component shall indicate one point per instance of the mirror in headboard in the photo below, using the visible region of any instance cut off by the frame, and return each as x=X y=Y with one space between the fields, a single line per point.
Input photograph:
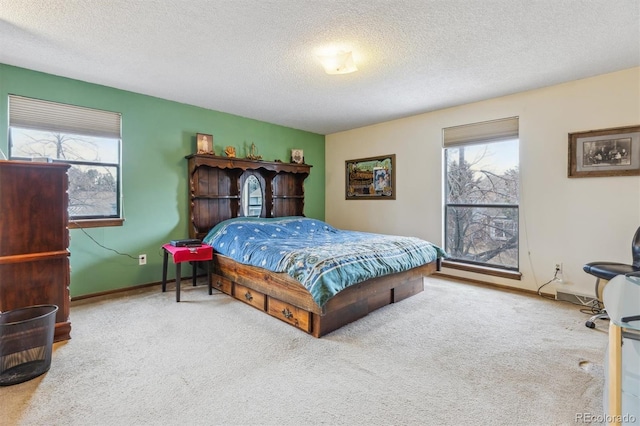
x=251 y=197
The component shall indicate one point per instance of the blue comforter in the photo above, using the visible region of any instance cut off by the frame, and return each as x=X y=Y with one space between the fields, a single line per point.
x=324 y=259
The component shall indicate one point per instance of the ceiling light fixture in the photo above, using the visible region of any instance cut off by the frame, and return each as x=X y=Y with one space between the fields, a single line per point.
x=338 y=63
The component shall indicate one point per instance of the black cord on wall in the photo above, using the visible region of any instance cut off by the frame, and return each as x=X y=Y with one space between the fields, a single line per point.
x=104 y=247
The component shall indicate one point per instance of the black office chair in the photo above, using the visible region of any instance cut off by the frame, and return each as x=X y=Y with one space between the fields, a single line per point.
x=604 y=271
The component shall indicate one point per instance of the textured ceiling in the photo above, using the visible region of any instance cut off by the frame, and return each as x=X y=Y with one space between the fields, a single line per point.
x=258 y=58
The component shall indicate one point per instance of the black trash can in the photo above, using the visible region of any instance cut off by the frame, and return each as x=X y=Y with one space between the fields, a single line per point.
x=26 y=340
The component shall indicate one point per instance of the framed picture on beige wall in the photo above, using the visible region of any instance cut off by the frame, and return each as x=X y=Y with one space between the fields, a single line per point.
x=370 y=178
x=605 y=152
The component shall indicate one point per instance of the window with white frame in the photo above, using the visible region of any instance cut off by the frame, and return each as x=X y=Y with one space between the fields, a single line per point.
x=87 y=139
x=482 y=193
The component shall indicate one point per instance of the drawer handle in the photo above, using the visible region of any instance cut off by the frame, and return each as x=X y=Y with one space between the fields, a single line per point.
x=287 y=313
x=248 y=296
x=219 y=283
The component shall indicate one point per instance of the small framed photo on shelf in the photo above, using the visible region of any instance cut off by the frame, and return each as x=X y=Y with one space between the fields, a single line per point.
x=297 y=156
x=204 y=143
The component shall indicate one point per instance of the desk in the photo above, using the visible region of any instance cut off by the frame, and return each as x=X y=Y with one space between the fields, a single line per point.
x=622 y=301
x=203 y=253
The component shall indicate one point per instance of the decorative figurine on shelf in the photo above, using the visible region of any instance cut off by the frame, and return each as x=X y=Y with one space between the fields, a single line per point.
x=204 y=143
x=253 y=153
x=230 y=151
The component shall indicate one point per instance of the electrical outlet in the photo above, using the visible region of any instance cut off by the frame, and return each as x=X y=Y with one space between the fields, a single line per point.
x=142 y=259
x=557 y=275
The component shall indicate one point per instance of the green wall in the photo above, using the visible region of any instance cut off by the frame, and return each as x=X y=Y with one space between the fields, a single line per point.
x=156 y=136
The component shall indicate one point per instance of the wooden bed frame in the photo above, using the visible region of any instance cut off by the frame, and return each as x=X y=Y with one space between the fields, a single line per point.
x=285 y=298
x=215 y=195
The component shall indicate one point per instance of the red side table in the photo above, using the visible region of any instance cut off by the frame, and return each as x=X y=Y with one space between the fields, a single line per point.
x=203 y=253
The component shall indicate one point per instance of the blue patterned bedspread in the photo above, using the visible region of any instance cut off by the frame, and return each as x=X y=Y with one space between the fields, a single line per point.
x=324 y=259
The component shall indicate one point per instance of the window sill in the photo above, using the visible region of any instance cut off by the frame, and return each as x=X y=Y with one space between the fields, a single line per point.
x=94 y=223
x=512 y=275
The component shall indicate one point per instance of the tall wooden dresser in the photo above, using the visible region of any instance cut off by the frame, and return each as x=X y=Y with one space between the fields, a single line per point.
x=34 y=238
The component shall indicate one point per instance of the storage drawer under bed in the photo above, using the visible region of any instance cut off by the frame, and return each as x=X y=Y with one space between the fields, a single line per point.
x=289 y=313
x=222 y=284
x=249 y=296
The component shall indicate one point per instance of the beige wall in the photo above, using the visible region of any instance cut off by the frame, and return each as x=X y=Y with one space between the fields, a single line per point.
x=571 y=221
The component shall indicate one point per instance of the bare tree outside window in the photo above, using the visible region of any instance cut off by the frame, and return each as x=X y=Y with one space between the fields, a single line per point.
x=481 y=205
x=93 y=176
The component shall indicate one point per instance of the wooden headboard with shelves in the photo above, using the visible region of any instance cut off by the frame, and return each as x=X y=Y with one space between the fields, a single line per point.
x=215 y=189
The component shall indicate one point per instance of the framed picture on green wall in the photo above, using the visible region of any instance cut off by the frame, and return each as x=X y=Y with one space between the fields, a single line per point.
x=204 y=143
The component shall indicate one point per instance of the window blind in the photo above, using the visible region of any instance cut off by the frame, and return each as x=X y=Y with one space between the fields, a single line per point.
x=486 y=131
x=56 y=117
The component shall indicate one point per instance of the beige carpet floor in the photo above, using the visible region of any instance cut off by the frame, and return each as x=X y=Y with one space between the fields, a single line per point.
x=455 y=354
